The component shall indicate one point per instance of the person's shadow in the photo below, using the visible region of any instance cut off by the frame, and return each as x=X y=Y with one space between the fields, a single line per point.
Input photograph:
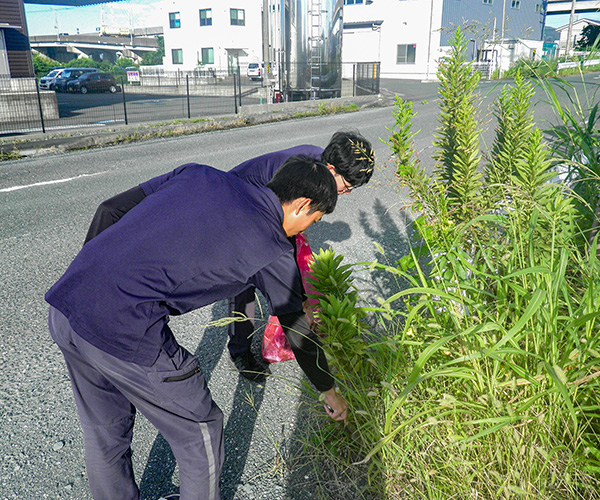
x=157 y=478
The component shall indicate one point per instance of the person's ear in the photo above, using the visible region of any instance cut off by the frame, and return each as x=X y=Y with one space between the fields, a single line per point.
x=302 y=204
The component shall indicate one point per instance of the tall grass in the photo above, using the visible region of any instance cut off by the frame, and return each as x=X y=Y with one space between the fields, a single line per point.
x=480 y=379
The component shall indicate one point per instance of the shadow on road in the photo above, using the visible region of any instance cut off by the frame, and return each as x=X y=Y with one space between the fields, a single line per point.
x=311 y=473
x=157 y=478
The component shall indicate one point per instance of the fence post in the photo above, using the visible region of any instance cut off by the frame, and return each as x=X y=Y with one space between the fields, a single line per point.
x=187 y=84
x=235 y=102
x=354 y=80
x=239 y=75
x=37 y=89
x=124 y=102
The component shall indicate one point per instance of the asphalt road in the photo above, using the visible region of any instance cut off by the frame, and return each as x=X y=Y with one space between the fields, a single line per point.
x=46 y=204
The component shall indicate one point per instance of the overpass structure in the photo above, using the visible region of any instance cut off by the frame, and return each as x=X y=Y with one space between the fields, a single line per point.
x=565 y=6
x=63 y=48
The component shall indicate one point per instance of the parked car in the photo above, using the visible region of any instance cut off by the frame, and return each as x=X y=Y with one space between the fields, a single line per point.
x=94 y=82
x=69 y=74
x=255 y=71
x=47 y=82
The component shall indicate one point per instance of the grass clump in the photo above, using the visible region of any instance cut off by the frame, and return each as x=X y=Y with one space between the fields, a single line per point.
x=480 y=379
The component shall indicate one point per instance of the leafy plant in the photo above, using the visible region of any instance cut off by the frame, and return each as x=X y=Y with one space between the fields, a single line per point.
x=480 y=379
x=457 y=135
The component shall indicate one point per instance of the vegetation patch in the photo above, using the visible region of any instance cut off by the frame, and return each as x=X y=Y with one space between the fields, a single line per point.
x=478 y=378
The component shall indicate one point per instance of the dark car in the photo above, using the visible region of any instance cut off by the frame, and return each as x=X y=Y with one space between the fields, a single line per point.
x=93 y=82
x=61 y=82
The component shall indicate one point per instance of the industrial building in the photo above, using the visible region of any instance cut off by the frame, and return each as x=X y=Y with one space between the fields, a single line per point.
x=410 y=36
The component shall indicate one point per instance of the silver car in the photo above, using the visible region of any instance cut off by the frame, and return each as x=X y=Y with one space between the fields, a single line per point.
x=47 y=82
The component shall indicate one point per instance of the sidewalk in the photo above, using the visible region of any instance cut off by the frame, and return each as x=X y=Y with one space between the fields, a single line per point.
x=36 y=144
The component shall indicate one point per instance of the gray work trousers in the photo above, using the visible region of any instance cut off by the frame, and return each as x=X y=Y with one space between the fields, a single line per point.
x=172 y=394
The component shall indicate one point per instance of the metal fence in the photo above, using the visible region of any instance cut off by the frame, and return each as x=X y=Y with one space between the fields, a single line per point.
x=159 y=96
x=366 y=78
x=24 y=108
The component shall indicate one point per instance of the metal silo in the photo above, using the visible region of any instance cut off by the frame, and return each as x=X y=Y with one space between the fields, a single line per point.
x=309 y=52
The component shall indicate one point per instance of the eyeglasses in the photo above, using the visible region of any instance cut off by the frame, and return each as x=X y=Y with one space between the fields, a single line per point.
x=347 y=188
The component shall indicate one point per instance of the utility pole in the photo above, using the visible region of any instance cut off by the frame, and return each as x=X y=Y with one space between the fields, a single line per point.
x=429 y=42
x=570 y=30
x=503 y=20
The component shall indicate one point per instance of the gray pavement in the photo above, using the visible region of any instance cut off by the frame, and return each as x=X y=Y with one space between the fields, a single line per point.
x=46 y=203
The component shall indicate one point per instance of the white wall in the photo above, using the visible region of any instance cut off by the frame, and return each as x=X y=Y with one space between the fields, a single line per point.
x=221 y=36
x=404 y=22
x=4 y=69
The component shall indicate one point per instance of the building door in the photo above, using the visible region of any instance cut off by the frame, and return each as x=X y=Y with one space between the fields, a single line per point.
x=233 y=60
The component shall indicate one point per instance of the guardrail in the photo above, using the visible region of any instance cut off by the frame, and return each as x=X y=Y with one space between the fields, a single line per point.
x=577 y=64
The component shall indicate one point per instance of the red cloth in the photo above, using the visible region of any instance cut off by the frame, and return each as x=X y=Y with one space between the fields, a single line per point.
x=275 y=346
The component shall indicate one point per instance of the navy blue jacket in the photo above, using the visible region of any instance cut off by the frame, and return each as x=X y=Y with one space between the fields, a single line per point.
x=201 y=237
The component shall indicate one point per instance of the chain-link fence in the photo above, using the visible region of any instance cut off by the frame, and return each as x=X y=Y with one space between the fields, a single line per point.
x=155 y=95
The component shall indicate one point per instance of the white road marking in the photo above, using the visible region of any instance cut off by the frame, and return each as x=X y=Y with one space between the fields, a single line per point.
x=57 y=181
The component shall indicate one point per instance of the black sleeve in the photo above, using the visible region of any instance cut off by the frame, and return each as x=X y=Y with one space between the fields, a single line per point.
x=111 y=210
x=307 y=349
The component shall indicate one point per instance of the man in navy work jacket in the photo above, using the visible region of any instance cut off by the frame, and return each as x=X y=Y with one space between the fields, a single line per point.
x=348 y=156
x=201 y=237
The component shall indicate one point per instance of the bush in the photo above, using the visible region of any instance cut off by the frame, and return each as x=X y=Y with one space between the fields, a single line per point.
x=481 y=378
x=529 y=68
x=43 y=65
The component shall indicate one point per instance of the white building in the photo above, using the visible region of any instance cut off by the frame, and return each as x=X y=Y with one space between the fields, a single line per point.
x=212 y=34
x=576 y=30
x=408 y=37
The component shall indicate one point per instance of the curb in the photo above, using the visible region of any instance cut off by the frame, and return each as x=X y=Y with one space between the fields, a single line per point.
x=53 y=143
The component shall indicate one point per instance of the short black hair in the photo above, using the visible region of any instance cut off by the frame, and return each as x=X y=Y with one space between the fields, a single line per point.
x=303 y=176
x=351 y=156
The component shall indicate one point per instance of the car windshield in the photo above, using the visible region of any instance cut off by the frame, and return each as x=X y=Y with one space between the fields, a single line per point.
x=53 y=73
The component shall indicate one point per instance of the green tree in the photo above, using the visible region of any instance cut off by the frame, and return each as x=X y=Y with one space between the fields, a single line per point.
x=83 y=62
x=42 y=65
x=589 y=37
x=155 y=58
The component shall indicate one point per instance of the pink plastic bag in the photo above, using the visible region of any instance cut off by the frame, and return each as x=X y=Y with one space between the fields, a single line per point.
x=275 y=346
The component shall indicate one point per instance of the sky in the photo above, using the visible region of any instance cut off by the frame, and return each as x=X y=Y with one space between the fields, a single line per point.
x=50 y=20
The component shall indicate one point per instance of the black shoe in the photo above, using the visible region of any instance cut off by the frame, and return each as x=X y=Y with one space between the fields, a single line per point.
x=249 y=367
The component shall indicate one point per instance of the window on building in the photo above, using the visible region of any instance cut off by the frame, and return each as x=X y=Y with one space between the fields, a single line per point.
x=406 y=54
x=208 y=56
x=488 y=2
x=237 y=17
x=205 y=17
x=515 y=4
x=174 y=20
x=177 y=55
x=539 y=8
x=352 y=2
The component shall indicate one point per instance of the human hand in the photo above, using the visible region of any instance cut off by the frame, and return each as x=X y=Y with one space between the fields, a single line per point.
x=309 y=315
x=335 y=405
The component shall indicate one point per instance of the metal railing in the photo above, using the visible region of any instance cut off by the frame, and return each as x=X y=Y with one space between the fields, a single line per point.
x=24 y=108
x=166 y=96
x=366 y=78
